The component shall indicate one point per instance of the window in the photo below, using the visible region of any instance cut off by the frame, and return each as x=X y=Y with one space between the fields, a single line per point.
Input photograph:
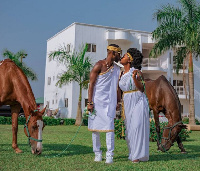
x=91 y=47
x=181 y=108
x=66 y=102
x=53 y=78
x=86 y=100
x=170 y=55
x=52 y=101
x=49 y=80
x=68 y=48
x=174 y=82
x=56 y=101
x=177 y=83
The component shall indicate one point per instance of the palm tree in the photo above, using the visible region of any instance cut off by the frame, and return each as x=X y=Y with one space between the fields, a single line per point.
x=17 y=59
x=179 y=29
x=78 y=70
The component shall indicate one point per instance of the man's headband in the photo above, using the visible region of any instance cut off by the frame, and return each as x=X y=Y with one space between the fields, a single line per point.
x=129 y=55
x=116 y=49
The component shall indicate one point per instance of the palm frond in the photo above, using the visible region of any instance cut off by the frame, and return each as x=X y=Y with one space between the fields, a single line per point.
x=168 y=13
x=16 y=59
x=78 y=67
x=61 y=55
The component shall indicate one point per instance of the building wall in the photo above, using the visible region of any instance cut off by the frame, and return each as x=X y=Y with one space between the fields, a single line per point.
x=197 y=87
x=54 y=69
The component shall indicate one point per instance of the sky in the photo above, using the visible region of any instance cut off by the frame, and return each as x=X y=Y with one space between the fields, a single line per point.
x=28 y=24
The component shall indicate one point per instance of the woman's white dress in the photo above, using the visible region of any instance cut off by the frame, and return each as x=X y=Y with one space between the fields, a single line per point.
x=136 y=112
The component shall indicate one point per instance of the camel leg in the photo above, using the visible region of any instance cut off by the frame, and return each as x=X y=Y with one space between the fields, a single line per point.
x=156 y=118
x=180 y=145
x=15 y=111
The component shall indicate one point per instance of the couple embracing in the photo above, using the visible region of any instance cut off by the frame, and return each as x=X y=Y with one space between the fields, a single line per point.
x=106 y=85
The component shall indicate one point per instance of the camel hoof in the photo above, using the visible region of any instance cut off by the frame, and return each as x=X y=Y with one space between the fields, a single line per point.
x=17 y=150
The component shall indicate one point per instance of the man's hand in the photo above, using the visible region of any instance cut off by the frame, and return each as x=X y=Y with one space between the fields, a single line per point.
x=90 y=107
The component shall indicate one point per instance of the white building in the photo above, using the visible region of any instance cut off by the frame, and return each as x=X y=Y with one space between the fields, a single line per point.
x=98 y=37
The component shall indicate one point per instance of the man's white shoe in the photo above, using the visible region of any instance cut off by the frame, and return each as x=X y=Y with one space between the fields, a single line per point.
x=98 y=158
x=109 y=159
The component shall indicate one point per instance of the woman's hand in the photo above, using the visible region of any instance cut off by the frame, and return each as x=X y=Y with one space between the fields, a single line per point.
x=135 y=73
x=138 y=80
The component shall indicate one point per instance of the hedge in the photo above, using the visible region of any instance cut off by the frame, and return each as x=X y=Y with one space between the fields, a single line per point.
x=47 y=121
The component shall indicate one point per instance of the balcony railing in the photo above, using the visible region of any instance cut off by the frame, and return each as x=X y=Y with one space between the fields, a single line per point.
x=147 y=62
x=155 y=62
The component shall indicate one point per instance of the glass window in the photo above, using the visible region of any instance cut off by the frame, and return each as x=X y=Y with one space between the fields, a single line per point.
x=86 y=100
x=49 y=80
x=66 y=102
x=93 y=48
x=179 y=83
x=68 y=48
x=170 y=55
x=174 y=82
x=89 y=47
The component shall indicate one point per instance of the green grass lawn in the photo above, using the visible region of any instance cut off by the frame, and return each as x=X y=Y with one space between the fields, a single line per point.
x=80 y=156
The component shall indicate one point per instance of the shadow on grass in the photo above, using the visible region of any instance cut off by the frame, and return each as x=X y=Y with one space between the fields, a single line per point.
x=71 y=150
x=193 y=153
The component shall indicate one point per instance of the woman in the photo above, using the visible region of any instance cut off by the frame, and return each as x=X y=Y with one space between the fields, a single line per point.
x=135 y=106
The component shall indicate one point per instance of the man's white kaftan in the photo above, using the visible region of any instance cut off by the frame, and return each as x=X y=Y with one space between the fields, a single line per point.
x=136 y=112
x=105 y=101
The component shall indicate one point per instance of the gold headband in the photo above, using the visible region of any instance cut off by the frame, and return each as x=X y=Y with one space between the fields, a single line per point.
x=116 y=49
x=129 y=55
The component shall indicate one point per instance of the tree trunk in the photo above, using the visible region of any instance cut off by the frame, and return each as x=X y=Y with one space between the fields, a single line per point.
x=191 y=92
x=79 y=110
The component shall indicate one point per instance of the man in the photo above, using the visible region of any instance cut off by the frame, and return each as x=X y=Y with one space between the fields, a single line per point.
x=102 y=97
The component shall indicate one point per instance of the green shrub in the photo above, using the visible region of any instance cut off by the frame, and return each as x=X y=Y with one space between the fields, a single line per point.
x=51 y=121
x=5 y=120
x=69 y=121
x=21 y=120
x=47 y=121
x=85 y=121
